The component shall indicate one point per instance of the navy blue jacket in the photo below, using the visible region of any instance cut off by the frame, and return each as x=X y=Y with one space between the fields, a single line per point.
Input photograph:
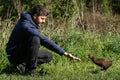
x=27 y=27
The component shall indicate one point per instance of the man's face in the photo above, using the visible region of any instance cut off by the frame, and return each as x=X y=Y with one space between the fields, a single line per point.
x=39 y=19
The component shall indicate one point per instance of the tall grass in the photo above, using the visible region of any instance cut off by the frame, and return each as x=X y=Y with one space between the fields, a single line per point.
x=79 y=44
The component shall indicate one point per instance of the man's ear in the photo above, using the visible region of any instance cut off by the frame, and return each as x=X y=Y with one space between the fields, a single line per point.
x=34 y=16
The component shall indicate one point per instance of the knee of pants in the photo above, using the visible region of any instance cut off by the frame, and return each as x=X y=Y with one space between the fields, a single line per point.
x=48 y=58
x=44 y=56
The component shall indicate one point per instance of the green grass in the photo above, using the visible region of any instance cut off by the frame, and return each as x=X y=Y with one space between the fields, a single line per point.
x=79 y=44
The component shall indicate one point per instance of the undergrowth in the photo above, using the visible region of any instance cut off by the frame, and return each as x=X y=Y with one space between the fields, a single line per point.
x=79 y=43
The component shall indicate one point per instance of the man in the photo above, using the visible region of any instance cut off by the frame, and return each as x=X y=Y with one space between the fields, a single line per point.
x=24 y=42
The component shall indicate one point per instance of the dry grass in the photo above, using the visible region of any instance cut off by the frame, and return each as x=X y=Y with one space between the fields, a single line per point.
x=99 y=22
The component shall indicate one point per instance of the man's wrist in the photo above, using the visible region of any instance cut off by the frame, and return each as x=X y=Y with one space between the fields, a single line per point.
x=65 y=53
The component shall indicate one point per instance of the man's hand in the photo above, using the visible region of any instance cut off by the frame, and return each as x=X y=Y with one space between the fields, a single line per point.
x=71 y=56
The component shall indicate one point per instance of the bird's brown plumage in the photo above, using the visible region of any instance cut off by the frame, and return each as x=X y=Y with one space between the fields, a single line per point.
x=102 y=62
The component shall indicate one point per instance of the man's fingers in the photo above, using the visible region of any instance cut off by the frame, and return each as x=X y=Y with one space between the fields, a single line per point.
x=78 y=59
x=72 y=57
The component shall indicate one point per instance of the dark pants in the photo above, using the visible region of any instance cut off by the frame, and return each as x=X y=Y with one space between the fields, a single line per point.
x=30 y=54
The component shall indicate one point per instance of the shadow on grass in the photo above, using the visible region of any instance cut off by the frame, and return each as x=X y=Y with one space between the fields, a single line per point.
x=9 y=69
x=95 y=71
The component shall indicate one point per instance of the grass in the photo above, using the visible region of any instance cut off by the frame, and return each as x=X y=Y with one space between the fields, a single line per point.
x=79 y=44
x=76 y=42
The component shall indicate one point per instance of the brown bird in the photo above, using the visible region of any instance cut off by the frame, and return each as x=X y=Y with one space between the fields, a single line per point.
x=102 y=62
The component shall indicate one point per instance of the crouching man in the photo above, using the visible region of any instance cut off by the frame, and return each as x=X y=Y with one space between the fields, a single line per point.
x=24 y=42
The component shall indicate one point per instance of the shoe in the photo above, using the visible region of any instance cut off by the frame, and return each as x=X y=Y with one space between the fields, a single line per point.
x=21 y=68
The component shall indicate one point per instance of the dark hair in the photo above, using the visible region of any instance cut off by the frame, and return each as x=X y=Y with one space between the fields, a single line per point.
x=39 y=10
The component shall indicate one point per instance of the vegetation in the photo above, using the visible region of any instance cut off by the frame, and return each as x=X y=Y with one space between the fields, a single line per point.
x=79 y=27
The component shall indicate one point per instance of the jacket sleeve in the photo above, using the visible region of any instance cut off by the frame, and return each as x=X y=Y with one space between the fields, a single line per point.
x=45 y=41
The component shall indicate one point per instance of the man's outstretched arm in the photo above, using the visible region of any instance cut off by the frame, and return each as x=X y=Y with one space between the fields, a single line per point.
x=71 y=56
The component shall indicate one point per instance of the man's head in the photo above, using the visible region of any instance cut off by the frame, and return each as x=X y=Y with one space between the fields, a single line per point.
x=39 y=14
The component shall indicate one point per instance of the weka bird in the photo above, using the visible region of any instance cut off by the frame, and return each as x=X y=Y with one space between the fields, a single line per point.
x=102 y=62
